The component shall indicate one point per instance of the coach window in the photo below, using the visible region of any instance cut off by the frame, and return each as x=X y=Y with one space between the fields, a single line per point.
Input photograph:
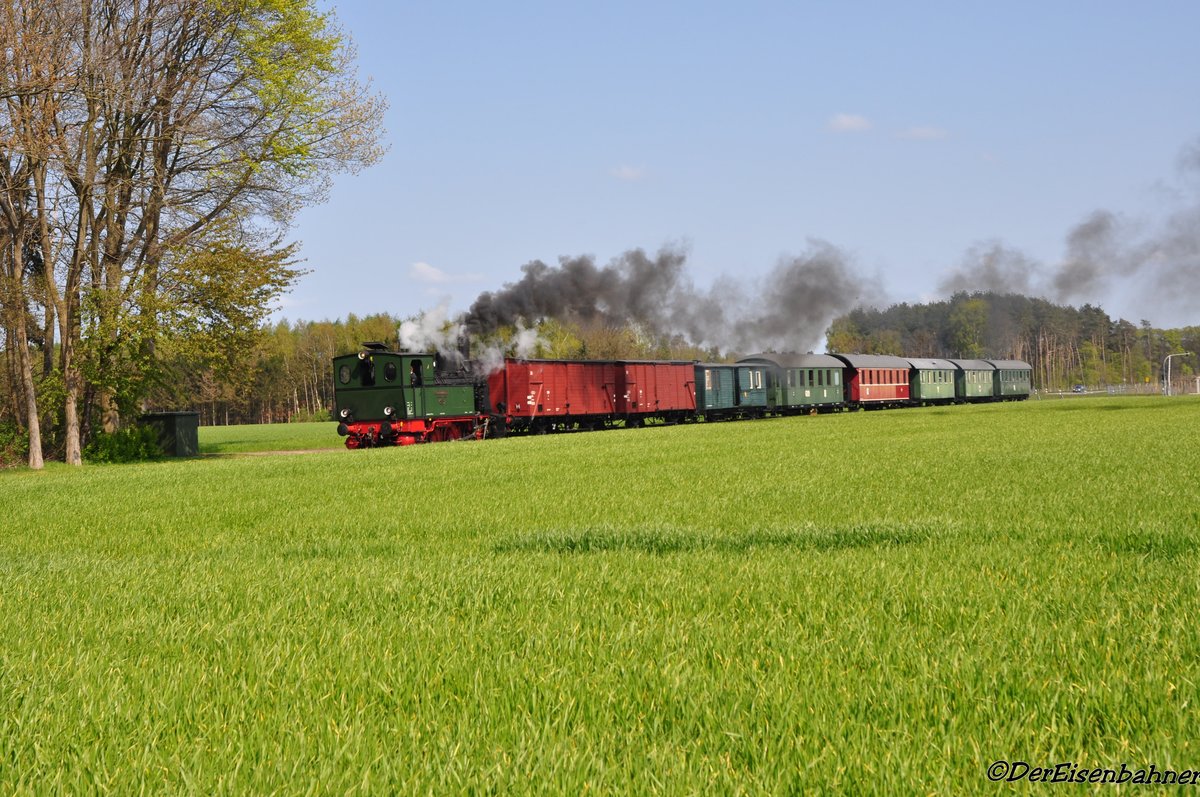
x=708 y=379
x=837 y=378
x=389 y=372
x=414 y=372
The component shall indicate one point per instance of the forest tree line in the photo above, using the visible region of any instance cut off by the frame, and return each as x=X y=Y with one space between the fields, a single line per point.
x=282 y=372
x=1065 y=345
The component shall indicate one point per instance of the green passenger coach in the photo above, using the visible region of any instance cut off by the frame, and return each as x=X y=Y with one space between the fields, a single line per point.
x=1012 y=380
x=715 y=390
x=801 y=382
x=973 y=380
x=752 y=389
x=932 y=381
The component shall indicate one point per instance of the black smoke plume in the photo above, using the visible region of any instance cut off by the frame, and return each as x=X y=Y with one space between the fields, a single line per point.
x=633 y=288
x=1157 y=263
x=788 y=310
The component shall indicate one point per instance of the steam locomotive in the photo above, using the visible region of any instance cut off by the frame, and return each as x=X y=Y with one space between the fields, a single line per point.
x=387 y=398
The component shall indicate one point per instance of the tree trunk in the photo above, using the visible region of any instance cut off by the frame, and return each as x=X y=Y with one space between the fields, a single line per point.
x=25 y=364
x=74 y=446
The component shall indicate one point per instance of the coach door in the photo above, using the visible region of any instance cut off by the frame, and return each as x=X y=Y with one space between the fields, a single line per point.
x=536 y=387
x=415 y=395
x=611 y=383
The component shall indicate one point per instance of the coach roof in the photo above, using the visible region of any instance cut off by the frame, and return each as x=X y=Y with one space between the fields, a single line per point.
x=974 y=365
x=931 y=364
x=873 y=361
x=793 y=360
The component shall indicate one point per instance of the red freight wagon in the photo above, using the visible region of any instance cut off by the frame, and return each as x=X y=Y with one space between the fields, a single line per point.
x=656 y=389
x=876 y=380
x=530 y=388
x=543 y=394
x=591 y=387
x=533 y=394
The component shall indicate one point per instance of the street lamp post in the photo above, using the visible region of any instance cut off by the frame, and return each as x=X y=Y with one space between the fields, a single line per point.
x=1167 y=366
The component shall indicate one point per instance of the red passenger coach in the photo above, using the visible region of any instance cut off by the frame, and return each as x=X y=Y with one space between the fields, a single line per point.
x=876 y=380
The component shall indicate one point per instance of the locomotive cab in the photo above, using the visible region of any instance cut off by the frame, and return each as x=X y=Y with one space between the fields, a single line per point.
x=392 y=398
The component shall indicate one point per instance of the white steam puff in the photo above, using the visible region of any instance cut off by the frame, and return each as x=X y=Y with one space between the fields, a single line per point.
x=434 y=331
x=431 y=331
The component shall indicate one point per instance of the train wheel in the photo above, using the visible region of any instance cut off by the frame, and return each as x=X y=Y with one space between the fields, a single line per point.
x=496 y=427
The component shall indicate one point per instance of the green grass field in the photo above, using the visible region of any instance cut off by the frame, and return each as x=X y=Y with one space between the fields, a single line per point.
x=270 y=437
x=859 y=603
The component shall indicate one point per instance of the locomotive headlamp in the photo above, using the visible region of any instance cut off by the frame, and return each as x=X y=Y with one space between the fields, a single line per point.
x=388 y=411
x=344 y=413
x=362 y=355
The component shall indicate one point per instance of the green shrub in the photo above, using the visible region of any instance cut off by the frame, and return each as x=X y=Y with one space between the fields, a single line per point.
x=14 y=445
x=131 y=444
x=320 y=416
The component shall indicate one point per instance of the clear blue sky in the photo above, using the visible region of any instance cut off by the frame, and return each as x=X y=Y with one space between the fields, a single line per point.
x=902 y=133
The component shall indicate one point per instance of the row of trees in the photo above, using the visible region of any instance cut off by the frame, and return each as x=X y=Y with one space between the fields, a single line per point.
x=270 y=374
x=147 y=148
x=287 y=375
x=1065 y=345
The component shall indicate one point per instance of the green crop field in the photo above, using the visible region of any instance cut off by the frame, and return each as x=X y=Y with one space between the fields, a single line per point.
x=269 y=437
x=879 y=602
